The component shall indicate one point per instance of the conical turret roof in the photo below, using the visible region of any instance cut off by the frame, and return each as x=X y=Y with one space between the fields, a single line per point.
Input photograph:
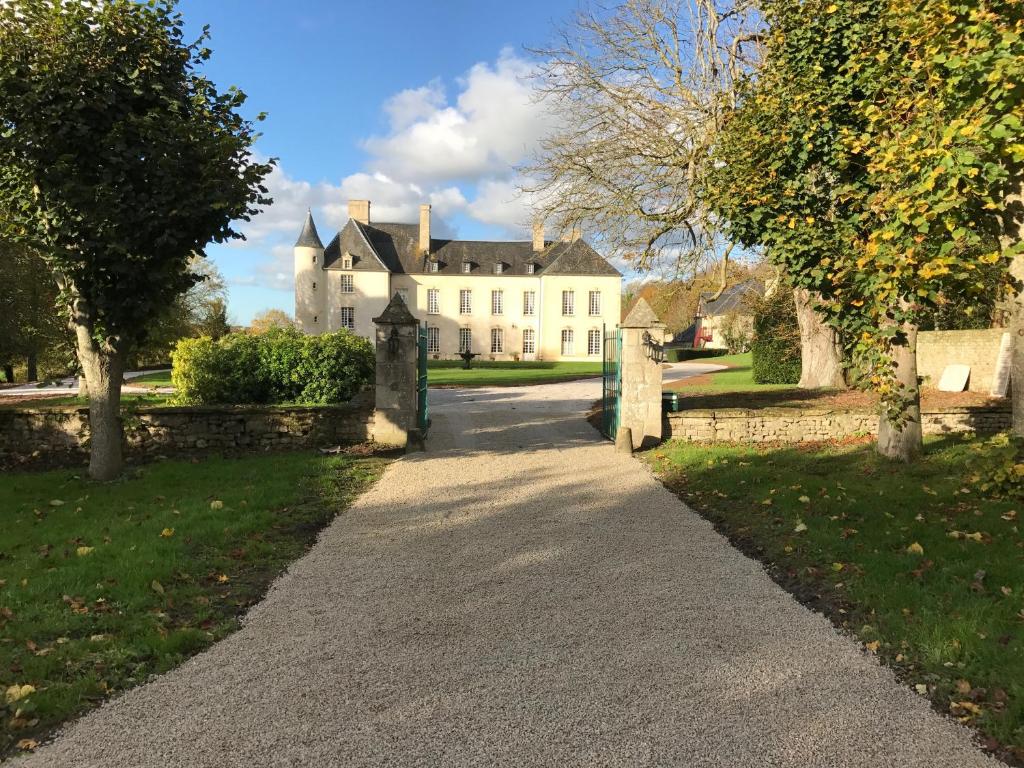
x=309 y=237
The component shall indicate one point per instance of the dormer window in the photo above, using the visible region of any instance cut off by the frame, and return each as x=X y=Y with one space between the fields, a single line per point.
x=433 y=266
x=346 y=261
x=531 y=268
x=467 y=267
x=499 y=268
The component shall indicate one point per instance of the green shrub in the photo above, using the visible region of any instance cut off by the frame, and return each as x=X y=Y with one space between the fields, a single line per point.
x=775 y=348
x=1000 y=468
x=679 y=355
x=279 y=366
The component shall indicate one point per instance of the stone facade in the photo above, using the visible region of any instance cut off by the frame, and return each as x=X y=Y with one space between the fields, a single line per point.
x=978 y=349
x=395 y=391
x=641 y=377
x=49 y=434
x=777 y=426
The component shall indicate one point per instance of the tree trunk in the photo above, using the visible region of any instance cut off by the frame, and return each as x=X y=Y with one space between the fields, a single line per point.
x=902 y=439
x=1012 y=232
x=9 y=373
x=103 y=370
x=821 y=354
x=33 y=368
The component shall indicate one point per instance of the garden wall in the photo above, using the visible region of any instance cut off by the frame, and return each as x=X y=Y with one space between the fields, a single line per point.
x=51 y=434
x=978 y=349
x=791 y=426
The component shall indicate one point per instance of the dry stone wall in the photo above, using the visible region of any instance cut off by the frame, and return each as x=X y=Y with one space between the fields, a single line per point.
x=776 y=426
x=48 y=434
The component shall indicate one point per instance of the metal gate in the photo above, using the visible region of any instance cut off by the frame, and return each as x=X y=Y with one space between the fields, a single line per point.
x=422 y=412
x=611 y=381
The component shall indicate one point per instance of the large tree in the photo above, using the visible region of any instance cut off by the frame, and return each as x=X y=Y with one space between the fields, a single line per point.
x=642 y=93
x=872 y=156
x=119 y=160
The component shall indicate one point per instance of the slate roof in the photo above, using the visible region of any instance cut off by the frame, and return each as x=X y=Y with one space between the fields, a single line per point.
x=309 y=238
x=395 y=248
x=732 y=298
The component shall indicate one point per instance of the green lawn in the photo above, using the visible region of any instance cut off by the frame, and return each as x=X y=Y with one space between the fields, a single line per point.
x=489 y=373
x=104 y=585
x=127 y=400
x=737 y=378
x=155 y=379
x=924 y=571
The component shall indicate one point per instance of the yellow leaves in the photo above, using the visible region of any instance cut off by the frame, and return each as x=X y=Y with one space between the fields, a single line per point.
x=800 y=527
x=977 y=536
x=965 y=710
x=216 y=504
x=166 y=533
x=83 y=551
x=1009 y=515
x=17 y=692
x=873 y=646
x=832 y=8
x=915 y=549
x=223 y=578
x=156 y=586
x=27 y=745
x=792 y=223
x=804 y=499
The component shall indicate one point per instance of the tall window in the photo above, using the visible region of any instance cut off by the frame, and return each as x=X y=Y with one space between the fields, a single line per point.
x=466 y=267
x=347 y=285
x=499 y=268
x=497 y=340
x=595 y=303
x=568 y=342
x=531 y=268
x=433 y=301
x=433 y=338
x=529 y=341
x=568 y=303
x=594 y=342
x=497 y=302
x=465 y=339
x=529 y=303
x=465 y=302
x=348 y=318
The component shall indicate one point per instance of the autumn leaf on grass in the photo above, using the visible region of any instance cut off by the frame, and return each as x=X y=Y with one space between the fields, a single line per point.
x=56 y=502
x=27 y=744
x=1008 y=516
x=800 y=526
x=157 y=587
x=223 y=578
x=166 y=533
x=217 y=504
x=915 y=549
x=873 y=646
x=977 y=536
x=966 y=710
x=804 y=499
x=17 y=692
x=83 y=551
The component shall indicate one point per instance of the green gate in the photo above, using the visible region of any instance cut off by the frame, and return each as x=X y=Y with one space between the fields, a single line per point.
x=422 y=414
x=611 y=381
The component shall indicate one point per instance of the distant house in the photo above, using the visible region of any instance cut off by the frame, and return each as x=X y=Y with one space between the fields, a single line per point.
x=729 y=314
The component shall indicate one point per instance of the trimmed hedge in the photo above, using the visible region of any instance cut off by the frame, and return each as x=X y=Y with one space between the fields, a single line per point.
x=679 y=355
x=775 y=349
x=282 y=365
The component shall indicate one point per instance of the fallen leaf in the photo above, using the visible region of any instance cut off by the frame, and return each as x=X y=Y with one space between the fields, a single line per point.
x=217 y=504
x=83 y=551
x=800 y=527
x=804 y=499
x=915 y=549
x=167 y=533
x=837 y=567
x=157 y=587
x=27 y=744
x=921 y=688
x=873 y=646
x=223 y=578
x=963 y=687
x=56 y=503
x=1006 y=591
x=1011 y=515
x=17 y=692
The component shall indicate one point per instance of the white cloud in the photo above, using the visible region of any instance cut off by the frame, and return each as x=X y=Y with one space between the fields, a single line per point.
x=493 y=125
x=500 y=202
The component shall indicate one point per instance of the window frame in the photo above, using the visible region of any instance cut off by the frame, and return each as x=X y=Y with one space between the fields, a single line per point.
x=590 y=303
x=348 y=284
x=569 y=303
x=497 y=301
x=530 y=342
x=592 y=349
x=497 y=335
x=465 y=301
x=529 y=308
x=352 y=313
x=568 y=338
x=433 y=339
x=433 y=301
x=467 y=334
x=467 y=267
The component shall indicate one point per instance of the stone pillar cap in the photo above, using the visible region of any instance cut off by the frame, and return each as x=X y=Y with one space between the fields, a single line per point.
x=641 y=316
x=396 y=313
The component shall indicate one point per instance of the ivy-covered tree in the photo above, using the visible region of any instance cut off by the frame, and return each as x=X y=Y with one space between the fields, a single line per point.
x=119 y=160
x=873 y=156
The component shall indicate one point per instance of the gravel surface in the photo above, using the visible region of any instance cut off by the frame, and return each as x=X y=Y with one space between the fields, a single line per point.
x=521 y=595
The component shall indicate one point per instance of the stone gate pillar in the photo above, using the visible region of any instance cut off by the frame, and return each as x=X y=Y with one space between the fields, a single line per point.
x=642 y=335
x=395 y=395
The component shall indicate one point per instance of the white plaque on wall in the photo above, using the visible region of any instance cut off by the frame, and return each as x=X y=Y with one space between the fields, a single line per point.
x=954 y=378
x=1001 y=378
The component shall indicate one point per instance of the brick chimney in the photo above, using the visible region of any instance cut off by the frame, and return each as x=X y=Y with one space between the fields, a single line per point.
x=425 y=229
x=359 y=210
x=538 y=236
x=572 y=235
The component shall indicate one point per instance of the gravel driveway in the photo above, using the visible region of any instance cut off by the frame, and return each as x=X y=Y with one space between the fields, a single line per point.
x=522 y=595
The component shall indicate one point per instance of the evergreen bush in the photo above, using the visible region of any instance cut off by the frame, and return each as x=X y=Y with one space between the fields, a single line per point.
x=282 y=365
x=775 y=348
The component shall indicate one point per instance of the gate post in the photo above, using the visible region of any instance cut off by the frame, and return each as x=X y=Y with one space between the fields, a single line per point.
x=642 y=334
x=394 y=415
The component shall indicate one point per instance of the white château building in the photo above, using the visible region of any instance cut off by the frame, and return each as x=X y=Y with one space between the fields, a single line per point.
x=538 y=300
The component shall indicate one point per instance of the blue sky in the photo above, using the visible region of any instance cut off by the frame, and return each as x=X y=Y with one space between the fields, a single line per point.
x=399 y=102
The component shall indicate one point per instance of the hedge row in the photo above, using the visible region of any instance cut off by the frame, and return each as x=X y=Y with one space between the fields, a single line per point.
x=279 y=366
x=679 y=355
x=775 y=348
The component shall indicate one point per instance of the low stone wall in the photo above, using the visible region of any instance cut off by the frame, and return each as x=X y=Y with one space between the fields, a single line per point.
x=771 y=426
x=978 y=349
x=41 y=434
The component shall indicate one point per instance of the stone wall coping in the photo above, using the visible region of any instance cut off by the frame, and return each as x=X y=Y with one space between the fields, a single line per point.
x=746 y=413
x=193 y=410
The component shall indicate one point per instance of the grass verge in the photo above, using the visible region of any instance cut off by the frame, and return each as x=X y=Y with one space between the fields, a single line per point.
x=487 y=373
x=927 y=574
x=102 y=585
x=738 y=377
